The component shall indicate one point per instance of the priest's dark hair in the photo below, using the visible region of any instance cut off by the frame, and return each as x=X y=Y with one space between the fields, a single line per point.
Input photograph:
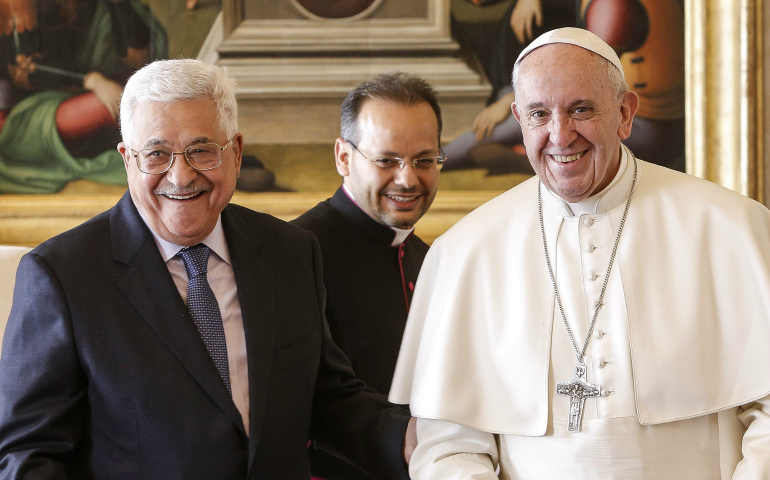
x=399 y=87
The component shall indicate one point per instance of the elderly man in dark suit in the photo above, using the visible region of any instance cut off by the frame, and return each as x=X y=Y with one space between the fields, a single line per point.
x=176 y=335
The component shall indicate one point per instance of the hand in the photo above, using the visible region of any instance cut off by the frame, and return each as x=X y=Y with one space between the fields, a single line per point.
x=487 y=120
x=21 y=14
x=522 y=18
x=107 y=91
x=410 y=439
x=21 y=70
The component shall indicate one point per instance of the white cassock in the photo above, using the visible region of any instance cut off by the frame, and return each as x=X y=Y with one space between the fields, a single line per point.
x=681 y=346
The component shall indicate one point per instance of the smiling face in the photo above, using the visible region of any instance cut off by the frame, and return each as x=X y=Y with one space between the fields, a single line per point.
x=182 y=205
x=394 y=197
x=571 y=119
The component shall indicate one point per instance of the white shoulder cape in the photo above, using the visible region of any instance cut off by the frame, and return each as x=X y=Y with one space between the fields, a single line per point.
x=695 y=265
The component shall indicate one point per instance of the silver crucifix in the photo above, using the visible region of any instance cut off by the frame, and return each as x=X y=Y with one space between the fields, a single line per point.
x=577 y=390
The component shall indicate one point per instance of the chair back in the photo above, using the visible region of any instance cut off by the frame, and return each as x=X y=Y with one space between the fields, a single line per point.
x=9 y=260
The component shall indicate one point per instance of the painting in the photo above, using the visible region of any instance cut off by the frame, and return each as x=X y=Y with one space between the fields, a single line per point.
x=64 y=64
x=294 y=60
x=648 y=35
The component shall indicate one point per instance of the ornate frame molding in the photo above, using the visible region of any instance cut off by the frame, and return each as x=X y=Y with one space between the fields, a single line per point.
x=724 y=93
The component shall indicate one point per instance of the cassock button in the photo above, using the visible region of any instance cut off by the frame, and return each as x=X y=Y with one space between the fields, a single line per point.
x=600 y=333
x=588 y=222
x=603 y=363
x=593 y=276
x=596 y=304
x=605 y=392
x=590 y=248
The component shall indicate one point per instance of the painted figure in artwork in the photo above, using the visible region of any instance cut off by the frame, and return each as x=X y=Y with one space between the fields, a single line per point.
x=649 y=37
x=494 y=141
x=64 y=63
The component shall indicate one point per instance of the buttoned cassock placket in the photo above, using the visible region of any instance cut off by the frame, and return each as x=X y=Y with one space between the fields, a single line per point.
x=583 y=250
x=580 y=270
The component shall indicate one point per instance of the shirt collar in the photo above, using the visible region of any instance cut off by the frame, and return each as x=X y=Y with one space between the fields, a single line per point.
x=348 y=192
x=401 y=233
x=613 y=195
x=215 y=241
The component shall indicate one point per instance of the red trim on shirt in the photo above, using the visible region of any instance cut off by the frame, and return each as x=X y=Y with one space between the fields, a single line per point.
x=403 y=280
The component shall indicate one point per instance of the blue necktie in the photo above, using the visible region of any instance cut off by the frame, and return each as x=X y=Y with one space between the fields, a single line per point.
x=204 y=308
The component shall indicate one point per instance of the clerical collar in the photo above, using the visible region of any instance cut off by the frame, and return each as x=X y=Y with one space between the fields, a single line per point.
x=215 y=241
x=401 y=234
x=613 y=195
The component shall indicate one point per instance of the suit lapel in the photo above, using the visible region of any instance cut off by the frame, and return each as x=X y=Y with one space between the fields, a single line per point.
x=148 y=286
x=256 y=293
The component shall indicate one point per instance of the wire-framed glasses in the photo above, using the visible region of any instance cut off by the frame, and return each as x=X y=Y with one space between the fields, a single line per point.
x=421 y=163
x=200 y=156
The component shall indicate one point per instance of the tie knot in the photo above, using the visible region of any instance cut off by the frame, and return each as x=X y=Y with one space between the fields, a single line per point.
x=196 y=259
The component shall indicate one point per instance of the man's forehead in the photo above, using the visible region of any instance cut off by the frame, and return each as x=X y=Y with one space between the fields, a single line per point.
x=378 y=114
x=379 y=109
x=562 y=53
x=168 y=123
x=154 y=141
x=560 y=61
x=146 y=110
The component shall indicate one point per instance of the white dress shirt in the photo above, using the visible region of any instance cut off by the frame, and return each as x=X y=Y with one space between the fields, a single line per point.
x=222 y=281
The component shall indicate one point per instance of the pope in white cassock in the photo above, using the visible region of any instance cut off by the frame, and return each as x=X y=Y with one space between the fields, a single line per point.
x=607 y=319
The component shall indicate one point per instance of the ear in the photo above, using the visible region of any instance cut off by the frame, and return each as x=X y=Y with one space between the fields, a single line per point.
x=515 y=112
x=628 y=107
x=126 y=154
x=237 y=144
x=342 y=153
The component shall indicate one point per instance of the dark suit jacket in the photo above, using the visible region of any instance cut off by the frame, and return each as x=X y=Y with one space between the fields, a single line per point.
x=103 y=374
x=369 y=285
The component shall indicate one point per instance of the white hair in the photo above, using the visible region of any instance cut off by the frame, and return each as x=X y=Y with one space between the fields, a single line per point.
x=179 y=80
x=613 y=75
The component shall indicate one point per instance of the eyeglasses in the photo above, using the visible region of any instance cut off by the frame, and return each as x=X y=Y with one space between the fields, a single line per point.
x=200 y=156
x=422 y=163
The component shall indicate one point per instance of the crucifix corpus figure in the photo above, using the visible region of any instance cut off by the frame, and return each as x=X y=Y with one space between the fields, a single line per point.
x=577 y=390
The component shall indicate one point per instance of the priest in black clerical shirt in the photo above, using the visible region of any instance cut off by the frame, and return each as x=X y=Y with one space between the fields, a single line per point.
x=389 y=157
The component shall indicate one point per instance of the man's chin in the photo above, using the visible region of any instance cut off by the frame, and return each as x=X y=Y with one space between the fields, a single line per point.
x=186 y=233
x=399 y=220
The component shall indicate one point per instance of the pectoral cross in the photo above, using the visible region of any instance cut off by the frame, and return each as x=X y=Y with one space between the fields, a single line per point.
x=577 y=390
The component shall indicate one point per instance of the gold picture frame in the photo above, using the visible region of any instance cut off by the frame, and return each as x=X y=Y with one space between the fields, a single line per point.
x=724 y=84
